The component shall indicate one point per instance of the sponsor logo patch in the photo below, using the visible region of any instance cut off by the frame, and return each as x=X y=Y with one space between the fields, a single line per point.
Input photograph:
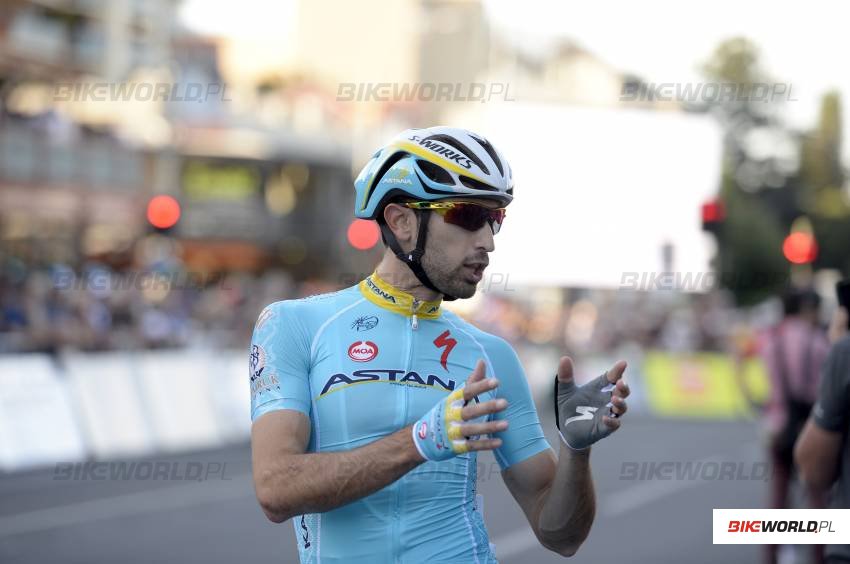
x=445 y=340
x=396 y=377
x=261 y=379
x=362 y=351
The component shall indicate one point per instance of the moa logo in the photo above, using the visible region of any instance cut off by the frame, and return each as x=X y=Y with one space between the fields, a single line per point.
x=362 y=351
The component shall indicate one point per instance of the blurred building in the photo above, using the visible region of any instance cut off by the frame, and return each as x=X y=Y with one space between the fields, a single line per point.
x=77 y=169
x=106 y=38
x=69 y=186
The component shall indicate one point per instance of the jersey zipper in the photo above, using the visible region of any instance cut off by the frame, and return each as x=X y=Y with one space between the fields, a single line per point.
x=408 y=366
x=414 y=321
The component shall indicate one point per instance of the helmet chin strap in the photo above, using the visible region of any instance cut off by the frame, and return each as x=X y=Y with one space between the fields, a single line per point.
x=413 y=259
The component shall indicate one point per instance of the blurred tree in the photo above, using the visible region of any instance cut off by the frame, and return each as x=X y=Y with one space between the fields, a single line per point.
x=757 y=185
x=749 y=261
x=824 y=194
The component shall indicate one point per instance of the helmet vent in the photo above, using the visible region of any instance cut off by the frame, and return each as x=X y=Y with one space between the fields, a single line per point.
x=476 y=184
x=386 y=166
x=492 y=152
x=435 y=173
x=461 y=148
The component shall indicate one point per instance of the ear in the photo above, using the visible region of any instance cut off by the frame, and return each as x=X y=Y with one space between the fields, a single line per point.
x=402 y=222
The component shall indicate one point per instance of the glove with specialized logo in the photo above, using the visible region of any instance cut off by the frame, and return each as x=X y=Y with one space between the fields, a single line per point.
x=579 y=411
x=437 y=434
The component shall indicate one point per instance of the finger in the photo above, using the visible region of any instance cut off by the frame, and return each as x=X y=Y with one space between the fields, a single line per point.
x=469 y=429
x=474 y=410
x=483 y=444
x=611 y=423
x=565 y=369
x=479 y=388
x=478 y=373
x=622 y=389
x=616 y=371
x=473 y=384
x=619 y=406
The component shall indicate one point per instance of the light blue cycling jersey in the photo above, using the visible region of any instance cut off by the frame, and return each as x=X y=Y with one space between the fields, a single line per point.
x=363 y=363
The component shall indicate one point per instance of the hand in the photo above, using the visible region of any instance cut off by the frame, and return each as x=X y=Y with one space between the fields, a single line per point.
x=580 y=420
x=443 y=432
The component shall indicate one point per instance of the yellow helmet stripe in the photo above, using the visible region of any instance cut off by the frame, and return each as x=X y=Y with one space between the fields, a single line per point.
x=444 y=162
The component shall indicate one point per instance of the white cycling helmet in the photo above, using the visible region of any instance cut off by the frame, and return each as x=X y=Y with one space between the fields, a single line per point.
x=432 y=164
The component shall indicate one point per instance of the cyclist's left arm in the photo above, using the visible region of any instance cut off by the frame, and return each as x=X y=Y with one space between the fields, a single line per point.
x=527 y=461
x=563 y=524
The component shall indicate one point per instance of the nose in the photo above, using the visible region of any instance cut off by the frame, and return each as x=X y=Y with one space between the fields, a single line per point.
x=484 y=239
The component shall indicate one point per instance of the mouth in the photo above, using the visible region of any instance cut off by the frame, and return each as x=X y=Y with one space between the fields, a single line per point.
x=476 y=271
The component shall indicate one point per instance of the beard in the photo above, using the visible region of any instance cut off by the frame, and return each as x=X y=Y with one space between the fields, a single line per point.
x=448 y=279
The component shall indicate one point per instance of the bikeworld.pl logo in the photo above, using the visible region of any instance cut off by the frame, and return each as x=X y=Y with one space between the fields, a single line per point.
x=779 y=526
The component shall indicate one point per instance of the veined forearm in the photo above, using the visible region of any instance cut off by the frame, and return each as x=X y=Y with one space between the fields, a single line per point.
x=569 y=506
x=317 y=482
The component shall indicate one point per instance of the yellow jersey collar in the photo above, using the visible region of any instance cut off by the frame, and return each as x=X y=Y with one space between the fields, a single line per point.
x=387 y=296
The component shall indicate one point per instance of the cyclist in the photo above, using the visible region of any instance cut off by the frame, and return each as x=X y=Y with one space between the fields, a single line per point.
x=369 y=405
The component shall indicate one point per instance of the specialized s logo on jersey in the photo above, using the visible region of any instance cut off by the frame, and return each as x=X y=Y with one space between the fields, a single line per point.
x=445 y=340
x=261 y=380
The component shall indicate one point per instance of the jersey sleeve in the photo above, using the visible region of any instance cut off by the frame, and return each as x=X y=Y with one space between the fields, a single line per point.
x=279 y=362
x=524 y=437
x=830 y=411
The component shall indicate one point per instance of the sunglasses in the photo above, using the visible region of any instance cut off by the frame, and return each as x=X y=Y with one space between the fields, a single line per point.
x=467 y=215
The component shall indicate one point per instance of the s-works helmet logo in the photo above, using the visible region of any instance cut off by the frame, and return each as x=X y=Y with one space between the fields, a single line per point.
x=362 y=351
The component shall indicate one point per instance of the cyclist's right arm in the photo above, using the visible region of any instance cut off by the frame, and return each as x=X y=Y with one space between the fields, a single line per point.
x=289 y=482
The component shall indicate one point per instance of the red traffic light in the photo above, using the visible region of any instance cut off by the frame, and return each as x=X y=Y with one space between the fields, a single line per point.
x=713 y=212
x=800 y=248
x=163 y=212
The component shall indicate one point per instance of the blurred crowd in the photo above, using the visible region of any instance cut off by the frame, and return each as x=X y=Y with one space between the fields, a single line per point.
x=601 y=320
x=101 y=309
x=98 y=308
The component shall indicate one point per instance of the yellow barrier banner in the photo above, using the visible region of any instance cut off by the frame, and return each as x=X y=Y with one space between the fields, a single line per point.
x=704 y=385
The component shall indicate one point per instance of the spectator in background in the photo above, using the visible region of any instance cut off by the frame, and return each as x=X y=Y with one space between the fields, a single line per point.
x=793 y=352
x=823 y=451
